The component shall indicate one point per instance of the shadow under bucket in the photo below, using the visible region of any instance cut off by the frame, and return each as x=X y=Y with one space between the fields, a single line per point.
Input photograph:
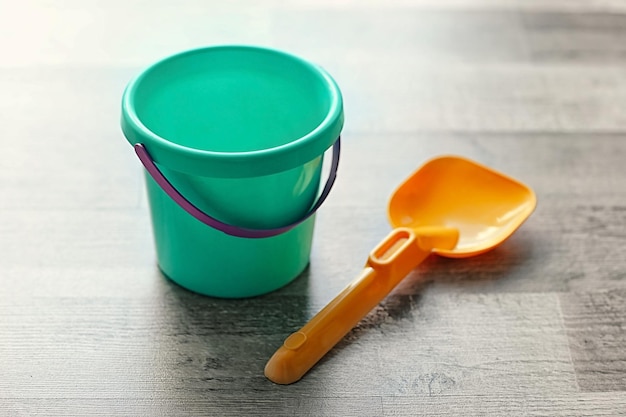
x=233 y=139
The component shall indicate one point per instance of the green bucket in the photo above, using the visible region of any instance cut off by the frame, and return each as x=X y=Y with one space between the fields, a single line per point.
x=233 y=139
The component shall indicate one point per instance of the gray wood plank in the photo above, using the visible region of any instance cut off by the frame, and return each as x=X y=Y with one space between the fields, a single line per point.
x=63 y=148
x=595 y=323
x=208 y=406
x=510 y=405
x=584 y=405
x=76 y=239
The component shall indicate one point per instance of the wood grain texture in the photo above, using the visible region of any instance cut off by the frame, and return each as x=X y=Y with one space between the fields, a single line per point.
x=595 y=325
x=536 y=89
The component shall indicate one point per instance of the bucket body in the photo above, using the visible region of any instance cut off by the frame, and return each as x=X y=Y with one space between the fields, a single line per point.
x=240 y=132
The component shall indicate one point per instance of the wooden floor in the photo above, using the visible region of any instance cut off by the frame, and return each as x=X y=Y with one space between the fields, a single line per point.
x=536 y=89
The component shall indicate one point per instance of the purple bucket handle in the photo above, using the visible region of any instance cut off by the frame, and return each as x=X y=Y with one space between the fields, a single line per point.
x=230 y=229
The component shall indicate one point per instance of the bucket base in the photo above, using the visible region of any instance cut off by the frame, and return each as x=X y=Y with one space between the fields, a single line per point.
x=220 y=293
x=209 y=262
x=216 y=277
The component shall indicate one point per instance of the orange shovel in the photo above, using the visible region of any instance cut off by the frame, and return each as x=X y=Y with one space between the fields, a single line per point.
x=450 y=206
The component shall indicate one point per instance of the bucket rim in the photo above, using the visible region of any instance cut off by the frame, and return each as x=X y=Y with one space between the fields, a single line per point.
x=239 y=163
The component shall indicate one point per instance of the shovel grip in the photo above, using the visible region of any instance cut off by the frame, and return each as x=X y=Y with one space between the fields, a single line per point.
x=400 y=252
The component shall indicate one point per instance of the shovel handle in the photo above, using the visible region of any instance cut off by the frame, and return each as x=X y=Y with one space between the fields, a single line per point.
x=399 y=253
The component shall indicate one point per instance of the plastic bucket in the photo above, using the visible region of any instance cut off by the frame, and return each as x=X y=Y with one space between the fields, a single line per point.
x=233 y=139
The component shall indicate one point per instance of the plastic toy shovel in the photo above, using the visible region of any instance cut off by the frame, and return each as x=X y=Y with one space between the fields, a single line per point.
x=450 y=206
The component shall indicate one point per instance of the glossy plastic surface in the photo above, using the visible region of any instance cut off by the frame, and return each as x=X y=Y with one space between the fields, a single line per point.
x=484 y=205
x=452 y=206
x=232 y=111
x=240 y=132
x=231 y=229
x=401 y=251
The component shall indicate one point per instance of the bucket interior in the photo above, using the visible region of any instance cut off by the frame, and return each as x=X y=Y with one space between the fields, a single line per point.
x=232 y=100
